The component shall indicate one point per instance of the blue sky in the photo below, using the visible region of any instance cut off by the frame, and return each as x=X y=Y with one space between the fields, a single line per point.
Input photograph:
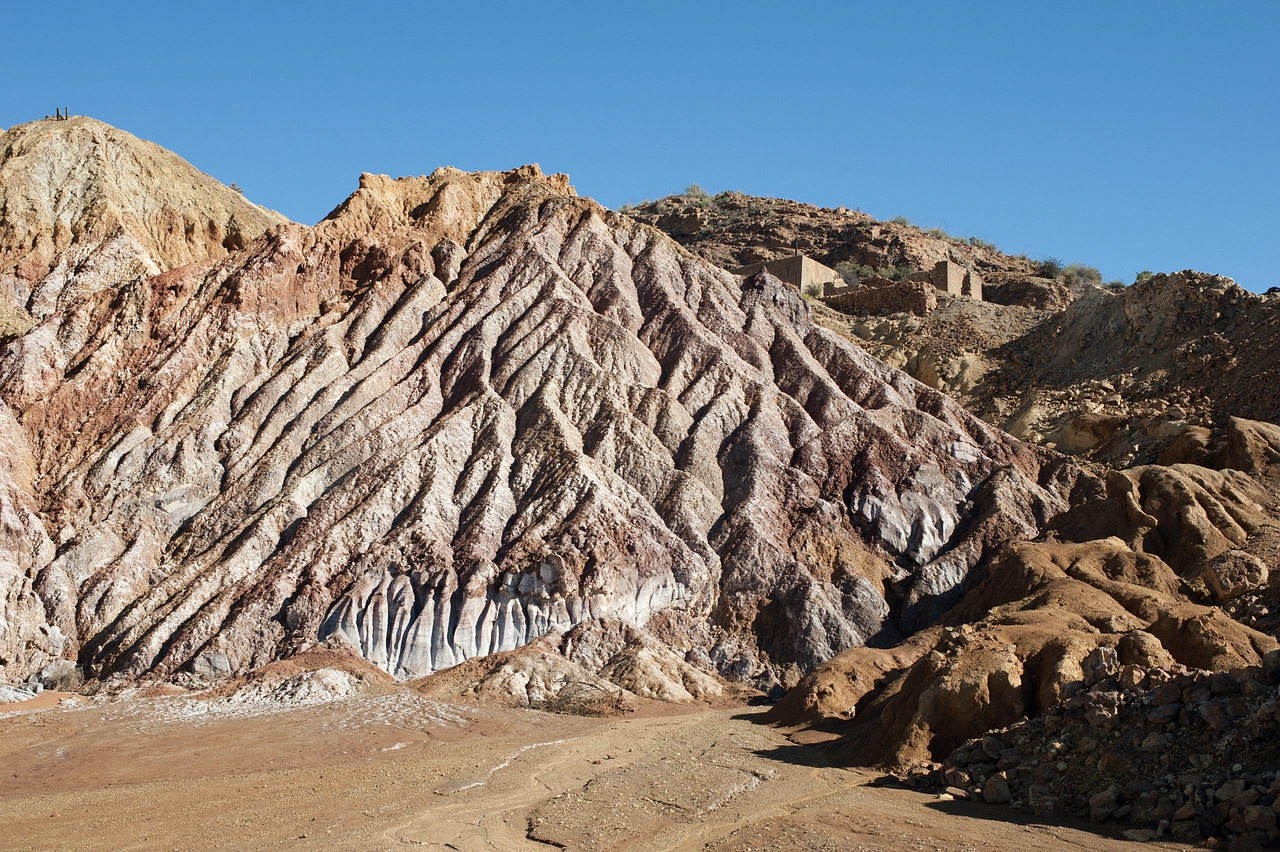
x=1137 y=135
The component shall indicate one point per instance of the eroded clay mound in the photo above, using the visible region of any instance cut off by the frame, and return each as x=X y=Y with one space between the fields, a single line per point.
x=600 y=667
x=466 y=411
x=1137 y=571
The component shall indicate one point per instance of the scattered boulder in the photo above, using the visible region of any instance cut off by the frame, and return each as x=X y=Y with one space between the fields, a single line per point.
x=1234 y=573
x=62 y=675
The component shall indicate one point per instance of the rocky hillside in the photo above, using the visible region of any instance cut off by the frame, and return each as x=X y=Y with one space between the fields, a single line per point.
x=1124 y=375
x=474 y=422
x=1168 y=572
x=462 y=412
x=734 y=230
x=1123 y=668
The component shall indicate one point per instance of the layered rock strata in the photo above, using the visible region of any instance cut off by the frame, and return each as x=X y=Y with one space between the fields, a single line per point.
x=464 y=411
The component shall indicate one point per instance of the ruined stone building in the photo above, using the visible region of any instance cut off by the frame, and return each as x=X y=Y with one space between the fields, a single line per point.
x=917 y=294
x=799 y=270
x=877 y=295
x=951 y=277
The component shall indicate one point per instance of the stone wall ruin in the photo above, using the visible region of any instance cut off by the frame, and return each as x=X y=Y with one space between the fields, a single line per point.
x=882 y=296
x=799 y=270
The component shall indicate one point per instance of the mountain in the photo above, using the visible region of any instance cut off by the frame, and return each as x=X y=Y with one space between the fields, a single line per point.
x=500 y=442
x=461 y=412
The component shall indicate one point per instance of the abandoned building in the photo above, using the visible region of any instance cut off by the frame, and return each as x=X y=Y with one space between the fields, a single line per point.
x=874 y=295
x=799 y=270
x=951 y=277
x=917 y=294
x=877 y=295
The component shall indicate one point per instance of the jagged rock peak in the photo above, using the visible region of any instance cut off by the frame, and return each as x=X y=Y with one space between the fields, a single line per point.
x=449 y=203
x=80 y=181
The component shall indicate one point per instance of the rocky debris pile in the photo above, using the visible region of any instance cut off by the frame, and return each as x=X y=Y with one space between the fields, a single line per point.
x=300 y=690
x=949 y=347
x=1174 y=752
x=323 y=673
x=1029 y=291
x=18 y=692
x=1259 y=609
x=60 y=675
x=1185 y=348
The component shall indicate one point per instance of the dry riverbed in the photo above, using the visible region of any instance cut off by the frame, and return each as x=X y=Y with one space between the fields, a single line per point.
x=401 y=769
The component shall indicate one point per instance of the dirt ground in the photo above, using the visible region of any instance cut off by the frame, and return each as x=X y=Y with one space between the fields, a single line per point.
x=399 y=769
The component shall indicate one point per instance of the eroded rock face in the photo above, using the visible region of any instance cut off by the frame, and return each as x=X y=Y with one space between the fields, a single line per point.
x=464 y=411
x=1126 y=579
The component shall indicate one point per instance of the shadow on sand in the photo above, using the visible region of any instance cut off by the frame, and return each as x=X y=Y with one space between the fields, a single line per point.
x=1001 y=813
x=815 y=755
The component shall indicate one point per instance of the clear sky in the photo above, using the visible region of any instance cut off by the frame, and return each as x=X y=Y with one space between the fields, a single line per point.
x=1129 y=136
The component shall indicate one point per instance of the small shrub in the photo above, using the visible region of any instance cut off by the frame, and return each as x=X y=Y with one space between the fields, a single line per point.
x=852 y=273
x=1050 y=267
x=1144 y=275
x=982 y=244
x=1115 y=285
x=1077 y=275
x=695 y=191
x=900 y=220
x=938 y=234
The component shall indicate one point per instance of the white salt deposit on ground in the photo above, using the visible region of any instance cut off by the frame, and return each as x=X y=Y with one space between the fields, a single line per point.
x=9 y=693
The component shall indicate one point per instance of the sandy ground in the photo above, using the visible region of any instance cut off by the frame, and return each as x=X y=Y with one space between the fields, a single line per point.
x=399 y=769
